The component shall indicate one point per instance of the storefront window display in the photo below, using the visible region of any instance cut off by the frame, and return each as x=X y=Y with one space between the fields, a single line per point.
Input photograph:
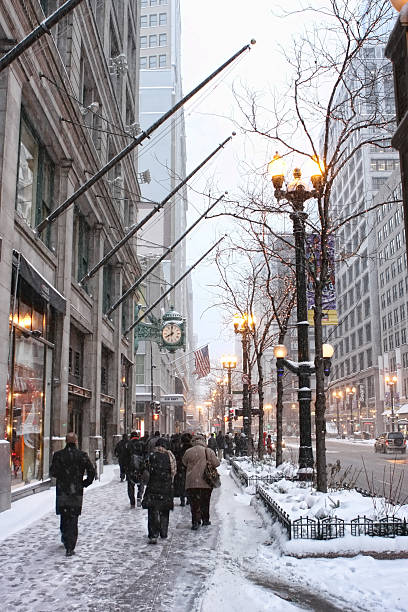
x=28 y=407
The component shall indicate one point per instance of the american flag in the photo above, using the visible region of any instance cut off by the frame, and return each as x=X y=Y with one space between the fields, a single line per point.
x=202 y=362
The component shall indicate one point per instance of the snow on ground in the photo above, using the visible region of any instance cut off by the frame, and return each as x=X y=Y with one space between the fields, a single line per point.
x=234 y=564
x=29 y=509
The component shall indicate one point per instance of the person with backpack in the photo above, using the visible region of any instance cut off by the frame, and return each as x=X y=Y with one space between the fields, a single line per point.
x=135 y=466
x=158 y=497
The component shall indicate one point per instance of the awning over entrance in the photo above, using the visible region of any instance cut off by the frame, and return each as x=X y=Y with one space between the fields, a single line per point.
x=39 y=283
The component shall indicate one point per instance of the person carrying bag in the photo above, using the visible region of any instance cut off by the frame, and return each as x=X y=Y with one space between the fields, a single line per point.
x=199 y=460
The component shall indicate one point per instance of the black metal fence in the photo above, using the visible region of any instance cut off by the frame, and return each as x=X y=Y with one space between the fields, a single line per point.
x=320 y=529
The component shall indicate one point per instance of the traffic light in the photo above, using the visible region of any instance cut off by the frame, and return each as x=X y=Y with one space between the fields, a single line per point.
x=231 y=414
x=155 y=406
x=225 y=419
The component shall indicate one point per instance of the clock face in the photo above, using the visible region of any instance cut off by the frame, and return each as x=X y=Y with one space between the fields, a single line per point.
x=171 y=333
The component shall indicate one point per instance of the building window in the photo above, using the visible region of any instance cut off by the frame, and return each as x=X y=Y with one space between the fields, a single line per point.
x=384 y=323
x=395 y=315
x=401 y=288
x=143 y=3
x=382 y=279
x=388 y=294
x=392 y=247
x=163 y=1
x=389 y=319
x=403 y=336
x=370 y=386
x=397 y=339
x=384 y=165
x=365 y=283
x=353 y=341
x=140 y=369
x=153 y=2
x=163 y=19
x=405 y=360
x=354 y=363
x=398 y=241
x=368 y=332
x=143 y=62
x=143 y=42
x=153 y=20
x=360 y=336
x=143 y=21
x=153 y=61
x=107 y=287
x=361 y=361
x=394 y=292
x=162 y=61
x=369 y=358
x=35 y=182
x=163 y=40
x=402 y=312
x=81 y=243
x=347 y=345
x=70 y=360
x=359 y=314
x=153 y=40
x=387 y=275
x=367 y=308
x=383 y=301
x=378 y=181
x=385 y=344
x=399 y=264
x=391 y=342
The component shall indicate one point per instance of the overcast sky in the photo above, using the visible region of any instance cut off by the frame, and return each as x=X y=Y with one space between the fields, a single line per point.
x=212 y=31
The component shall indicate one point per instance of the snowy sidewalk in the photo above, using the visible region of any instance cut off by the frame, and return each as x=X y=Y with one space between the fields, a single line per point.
x=233 y=565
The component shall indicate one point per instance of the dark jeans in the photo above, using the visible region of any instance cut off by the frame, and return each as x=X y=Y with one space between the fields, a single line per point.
x=200 y=505
x=131 y=491
x=122 y=466
x=69 y=528
x=157 y=522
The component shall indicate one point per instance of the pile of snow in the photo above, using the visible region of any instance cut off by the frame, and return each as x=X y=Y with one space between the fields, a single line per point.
x=267 y=468
x=301 y=500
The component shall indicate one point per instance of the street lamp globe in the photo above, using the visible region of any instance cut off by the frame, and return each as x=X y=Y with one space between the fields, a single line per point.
x=280 y=351
x=398 y=4
x=276 y=168
x=328 y=351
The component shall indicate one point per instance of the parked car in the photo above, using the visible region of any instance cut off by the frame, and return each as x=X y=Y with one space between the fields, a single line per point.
x=274 y=442
x=391 y=442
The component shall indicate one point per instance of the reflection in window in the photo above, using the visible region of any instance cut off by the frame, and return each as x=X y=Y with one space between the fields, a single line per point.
x=35 y=182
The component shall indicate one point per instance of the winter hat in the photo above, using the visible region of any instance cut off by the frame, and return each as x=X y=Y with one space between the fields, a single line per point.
x=198 y=438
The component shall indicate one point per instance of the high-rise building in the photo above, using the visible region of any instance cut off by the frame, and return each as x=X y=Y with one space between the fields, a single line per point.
x=165 y=159
x=357 y=337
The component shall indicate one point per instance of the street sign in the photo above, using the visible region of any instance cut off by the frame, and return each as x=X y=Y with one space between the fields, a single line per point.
x=237 y=392
x=245 y=379
x=254 y=388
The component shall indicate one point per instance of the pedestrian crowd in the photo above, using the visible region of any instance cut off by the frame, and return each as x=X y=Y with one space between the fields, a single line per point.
x=157 y=469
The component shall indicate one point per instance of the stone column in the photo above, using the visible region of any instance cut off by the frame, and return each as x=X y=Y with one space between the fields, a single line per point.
x=63 y=284
x=10 y=105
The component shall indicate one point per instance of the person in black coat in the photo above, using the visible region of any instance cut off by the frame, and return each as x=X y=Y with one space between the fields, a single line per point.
x=212 y=443
x=134 y=459
x=178 y=446
x=120 y=449
x=158 y=497
x=68 y=467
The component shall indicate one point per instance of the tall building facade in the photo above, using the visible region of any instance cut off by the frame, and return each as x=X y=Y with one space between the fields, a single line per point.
x=358 y=350
x=67 y=105
x=165 y=160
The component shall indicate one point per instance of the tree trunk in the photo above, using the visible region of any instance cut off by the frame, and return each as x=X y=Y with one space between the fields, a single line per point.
x=279 y=415
x=320 y=403
x=261 y=410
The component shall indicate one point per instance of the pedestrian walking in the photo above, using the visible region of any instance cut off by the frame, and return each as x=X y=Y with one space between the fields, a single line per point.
x=199 y=492
x=237 y=444
x=135 y=464
x=158 y=497
x=220 y=439
x=229 y=446
x=179 y=444
x=152 y=442
x=69 y=466
x=212 y=443
x=243 y=445
x=269 y=446
x=120 y=452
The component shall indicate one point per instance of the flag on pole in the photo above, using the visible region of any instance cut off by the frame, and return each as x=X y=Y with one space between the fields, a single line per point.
x=202 y=362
